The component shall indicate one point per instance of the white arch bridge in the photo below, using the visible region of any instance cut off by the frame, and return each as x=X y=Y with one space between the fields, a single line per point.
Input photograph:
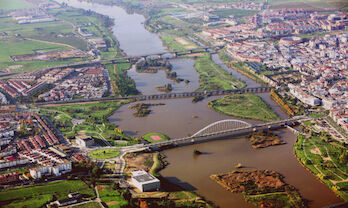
x=218 y=128
x=221 y=126
x=225 y=127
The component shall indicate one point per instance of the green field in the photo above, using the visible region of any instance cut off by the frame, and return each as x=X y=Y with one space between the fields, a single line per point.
x=104 y=153
x=113 y=198
x=238 y=13
x=14 y=4
x=247 y=106
x=326 y=160
x=148 y=138
x=39 y=195
x=213 y=77
x=171 y=42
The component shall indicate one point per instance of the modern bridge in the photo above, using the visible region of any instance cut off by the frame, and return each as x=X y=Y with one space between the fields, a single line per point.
x=227 y=127
x=164 y=96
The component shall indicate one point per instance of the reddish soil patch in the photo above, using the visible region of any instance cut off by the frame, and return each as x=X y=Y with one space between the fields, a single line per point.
x=156 y=137
x=241 y=181
x=112 y=203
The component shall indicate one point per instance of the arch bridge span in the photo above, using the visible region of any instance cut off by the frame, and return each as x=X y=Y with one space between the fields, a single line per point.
x=220 y=126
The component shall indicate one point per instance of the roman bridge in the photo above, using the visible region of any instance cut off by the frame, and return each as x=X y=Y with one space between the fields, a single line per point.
x=136 y=58
x=164 y=96
x=163 y=54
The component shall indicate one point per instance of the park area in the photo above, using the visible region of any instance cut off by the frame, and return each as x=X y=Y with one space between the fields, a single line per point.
x=89 y=119
x=155 y=137
x=104 y=153
x=39 y=195
x=246 y=106
x=326 y=159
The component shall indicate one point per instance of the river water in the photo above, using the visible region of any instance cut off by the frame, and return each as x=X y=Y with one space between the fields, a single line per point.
x=177 y=118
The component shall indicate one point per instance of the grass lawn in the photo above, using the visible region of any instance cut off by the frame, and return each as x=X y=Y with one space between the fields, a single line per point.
x=14 y=4
x=213 y=77
x=104 y=153
x=155 y=137
x=224 y=13
x=112 y=198
x=247 y=106
x=38 y=195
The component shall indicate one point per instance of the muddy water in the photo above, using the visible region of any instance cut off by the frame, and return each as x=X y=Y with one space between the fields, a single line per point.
x=146 y=83
x=176 y=120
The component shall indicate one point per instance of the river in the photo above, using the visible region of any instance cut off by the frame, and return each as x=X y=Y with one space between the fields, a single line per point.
x=177 y=118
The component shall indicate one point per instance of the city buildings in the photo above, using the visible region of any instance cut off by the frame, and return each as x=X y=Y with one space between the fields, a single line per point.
x=145 y=181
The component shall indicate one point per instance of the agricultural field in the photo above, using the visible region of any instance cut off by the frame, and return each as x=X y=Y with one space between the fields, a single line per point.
x=38 y=195
x=247 y=106
x=308 y=4
x=326 y=159
x=88 y=119
x=176 y=43
x=104 y=153
x=213 y=77
x=111 y=197
x=14 y=4
x=155 y=137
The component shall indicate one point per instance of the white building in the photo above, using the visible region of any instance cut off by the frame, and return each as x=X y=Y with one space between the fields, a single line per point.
x=304 y=96
x=84 y=142
x=55 y=170
x=145 y=181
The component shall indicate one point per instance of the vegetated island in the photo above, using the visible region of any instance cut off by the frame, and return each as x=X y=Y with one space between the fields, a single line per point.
x=142 y=109
x=263 y=188
x=247 y=106
x=262 y=139
x=166 y=88
x=152 y=66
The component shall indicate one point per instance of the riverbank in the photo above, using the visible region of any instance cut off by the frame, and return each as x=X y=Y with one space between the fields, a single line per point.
x=263 y=188
x=176 y=196
x=326 y=160
x=213 y=77
x=248 y=106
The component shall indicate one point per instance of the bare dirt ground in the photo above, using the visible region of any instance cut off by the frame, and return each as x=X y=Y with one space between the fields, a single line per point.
x=137 y=161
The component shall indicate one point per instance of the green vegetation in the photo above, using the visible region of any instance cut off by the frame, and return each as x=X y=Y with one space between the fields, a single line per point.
x=90 y=119
x=104 y=153
x=326 y=159
x=14 y=4
x=121 y=83
x=148 y=138
x=238 y=13
x=247 y=106
x=213 y=77
x=38 y=195
x=177 y=43
x=243 y=68
x=113 y=198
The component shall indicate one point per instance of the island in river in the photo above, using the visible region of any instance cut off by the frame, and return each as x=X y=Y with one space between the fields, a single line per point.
x=263 y=188
x=262 y=139
x=248 y=106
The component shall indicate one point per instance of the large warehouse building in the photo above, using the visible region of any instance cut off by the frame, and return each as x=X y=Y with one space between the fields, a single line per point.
x=145 y=181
